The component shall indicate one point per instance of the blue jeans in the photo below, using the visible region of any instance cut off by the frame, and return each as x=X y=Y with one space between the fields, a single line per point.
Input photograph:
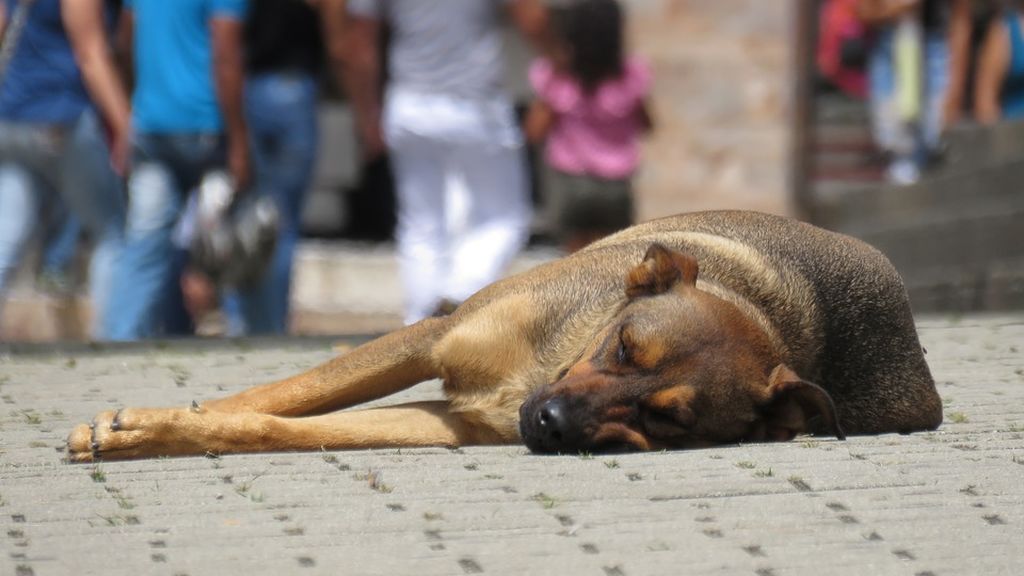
x=281 y=112
x=61 y=243
x=43 y=163
x=165 y=167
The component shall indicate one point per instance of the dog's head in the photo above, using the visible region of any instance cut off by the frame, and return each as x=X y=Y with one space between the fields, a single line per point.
x=676 y=368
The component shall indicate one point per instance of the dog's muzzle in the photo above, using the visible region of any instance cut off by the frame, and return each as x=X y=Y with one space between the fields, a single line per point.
x=547 y=425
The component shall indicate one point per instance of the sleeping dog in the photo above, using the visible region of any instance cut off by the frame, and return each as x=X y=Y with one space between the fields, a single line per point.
x=688 y=331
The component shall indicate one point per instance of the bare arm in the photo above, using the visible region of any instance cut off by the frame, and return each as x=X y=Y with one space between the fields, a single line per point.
x=530 y=17
x=124 y=47
x=873 y=12
x=360 y=70
x=333 y=20
x=229 y=80
x=83 y=21
x=539 y=120
x=646 y=117
x=959 y=54
x=993 y=62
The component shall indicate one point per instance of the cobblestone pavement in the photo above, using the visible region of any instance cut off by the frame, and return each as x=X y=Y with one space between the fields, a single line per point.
x=948 y=502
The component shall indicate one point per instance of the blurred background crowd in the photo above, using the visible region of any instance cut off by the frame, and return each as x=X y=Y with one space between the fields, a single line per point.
x=187 y=151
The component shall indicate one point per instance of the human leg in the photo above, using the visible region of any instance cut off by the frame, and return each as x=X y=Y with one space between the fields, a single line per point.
x=281 y=110
x=166 y=167
x=63 y=231
x=891 y=134
x=145 y=267
x=497 y=221
x=419 y=153
x=95 y=195
x=936 y=62
x=19 y=205
x=420 y=233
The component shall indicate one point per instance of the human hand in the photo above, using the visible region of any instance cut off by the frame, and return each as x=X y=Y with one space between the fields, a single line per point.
x=952 y=112
x=372 y=139
x=238 y=163
x=120 y=152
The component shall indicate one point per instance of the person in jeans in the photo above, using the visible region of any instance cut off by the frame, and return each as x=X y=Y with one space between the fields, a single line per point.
x=910 y=136
x=445 y=118
x=56 y=58
x=188 y=119
x=284 y=54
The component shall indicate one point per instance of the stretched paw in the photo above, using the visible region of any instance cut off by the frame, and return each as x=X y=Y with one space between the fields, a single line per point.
x=130 y=433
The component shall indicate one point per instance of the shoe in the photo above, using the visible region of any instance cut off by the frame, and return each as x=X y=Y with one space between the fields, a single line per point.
x=445 y=308
x=58 y=284
x=903 y=173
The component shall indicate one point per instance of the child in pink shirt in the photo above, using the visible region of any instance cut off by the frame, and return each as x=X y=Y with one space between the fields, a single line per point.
x=591 y=108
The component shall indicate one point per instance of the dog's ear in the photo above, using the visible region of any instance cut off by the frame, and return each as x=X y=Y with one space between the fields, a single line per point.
x=662 y=268
x=793 y=402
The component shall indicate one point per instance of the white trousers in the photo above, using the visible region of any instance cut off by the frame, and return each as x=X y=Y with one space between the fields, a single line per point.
x=439 y=144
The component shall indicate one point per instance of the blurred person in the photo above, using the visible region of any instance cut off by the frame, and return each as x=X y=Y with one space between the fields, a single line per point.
x=592 y=108
x=963 y=19
x=842 y=47
x=284 y=55
x=999 y=86
x=969 y=23
x=56 y=55
x=908 y=71
x=188 y=120
x=445 y=116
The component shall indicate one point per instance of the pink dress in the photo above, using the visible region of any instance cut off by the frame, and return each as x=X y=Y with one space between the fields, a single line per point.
x=594 y=134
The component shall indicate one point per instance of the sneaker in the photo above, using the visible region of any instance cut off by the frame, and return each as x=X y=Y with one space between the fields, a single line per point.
x=57 y=284
x=445 y=307
x=903 y=173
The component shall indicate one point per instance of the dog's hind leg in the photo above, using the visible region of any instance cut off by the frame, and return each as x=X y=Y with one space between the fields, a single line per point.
x=147 y=433
x=376 y=369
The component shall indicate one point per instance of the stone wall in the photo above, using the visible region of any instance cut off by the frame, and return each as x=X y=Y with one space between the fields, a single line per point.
x=957 y=237
x=722 y=104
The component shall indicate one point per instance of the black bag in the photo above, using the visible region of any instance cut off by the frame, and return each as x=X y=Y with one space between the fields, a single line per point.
x=853 y=52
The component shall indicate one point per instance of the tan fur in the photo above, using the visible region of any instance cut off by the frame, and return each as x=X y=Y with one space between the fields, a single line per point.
x=649 y=357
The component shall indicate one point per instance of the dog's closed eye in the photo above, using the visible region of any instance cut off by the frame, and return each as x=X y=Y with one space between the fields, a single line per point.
x=623 y=353
x=659 y=424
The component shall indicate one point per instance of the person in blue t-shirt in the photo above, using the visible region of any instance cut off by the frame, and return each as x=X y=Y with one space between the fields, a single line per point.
x=187 y=119
x=56 y=58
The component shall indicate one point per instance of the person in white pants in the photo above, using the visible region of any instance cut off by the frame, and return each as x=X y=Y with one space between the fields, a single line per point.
x=435 y=139
x=445 y=118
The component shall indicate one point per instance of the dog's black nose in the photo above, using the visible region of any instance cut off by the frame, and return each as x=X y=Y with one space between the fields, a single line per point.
x=552 y=423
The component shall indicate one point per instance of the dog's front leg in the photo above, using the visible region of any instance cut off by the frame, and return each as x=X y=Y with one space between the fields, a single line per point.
x=147 y=433
x=376 y=369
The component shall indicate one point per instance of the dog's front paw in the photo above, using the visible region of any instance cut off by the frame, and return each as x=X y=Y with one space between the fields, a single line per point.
x=83 y=444
x=124 y=434
x=79 y=444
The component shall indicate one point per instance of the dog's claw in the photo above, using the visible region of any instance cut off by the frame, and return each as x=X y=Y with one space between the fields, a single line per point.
x=115 y=424
x=195 y=407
